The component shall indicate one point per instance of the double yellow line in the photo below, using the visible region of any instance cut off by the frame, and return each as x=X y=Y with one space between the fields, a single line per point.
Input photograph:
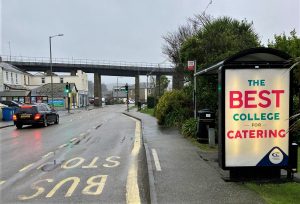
x=132 y=188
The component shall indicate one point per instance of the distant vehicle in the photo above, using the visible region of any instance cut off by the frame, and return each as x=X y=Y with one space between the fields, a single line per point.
x=91 y=101
x=36 y=114
x=131 y=101
x=13 y=104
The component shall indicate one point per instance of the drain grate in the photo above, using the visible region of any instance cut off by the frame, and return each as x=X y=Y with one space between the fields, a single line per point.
x=50 y=166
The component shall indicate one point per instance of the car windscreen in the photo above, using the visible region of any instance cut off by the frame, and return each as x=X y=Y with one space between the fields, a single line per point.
x=27 y=109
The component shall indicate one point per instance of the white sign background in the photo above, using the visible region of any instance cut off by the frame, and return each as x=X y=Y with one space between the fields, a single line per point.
x=249 y=151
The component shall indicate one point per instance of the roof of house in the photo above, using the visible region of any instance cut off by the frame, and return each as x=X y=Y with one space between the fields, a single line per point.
x=11 y=68
x=15 y=93
x=15 y=87
x=58 y=90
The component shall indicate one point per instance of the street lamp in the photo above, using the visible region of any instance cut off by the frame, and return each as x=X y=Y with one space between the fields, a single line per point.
x=51 y=73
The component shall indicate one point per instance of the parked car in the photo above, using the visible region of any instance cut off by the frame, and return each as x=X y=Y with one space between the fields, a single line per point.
x=36 y=114
x=13 y=104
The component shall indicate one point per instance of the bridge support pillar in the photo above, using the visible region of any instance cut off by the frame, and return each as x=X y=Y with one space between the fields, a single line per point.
x=137 y=89
x=178 y=78
x=73 y=72
x=157 y=91
x=97 y=90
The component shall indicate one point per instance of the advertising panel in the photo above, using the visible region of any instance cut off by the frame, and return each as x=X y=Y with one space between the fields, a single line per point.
x=256 y=117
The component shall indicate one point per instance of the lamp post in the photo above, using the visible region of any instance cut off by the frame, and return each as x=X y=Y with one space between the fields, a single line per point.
x=51 y=73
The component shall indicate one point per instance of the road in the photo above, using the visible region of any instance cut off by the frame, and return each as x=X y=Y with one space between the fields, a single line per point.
x=90 y=157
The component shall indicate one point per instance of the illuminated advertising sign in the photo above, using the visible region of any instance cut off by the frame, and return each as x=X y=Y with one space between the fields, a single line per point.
x=256 y=117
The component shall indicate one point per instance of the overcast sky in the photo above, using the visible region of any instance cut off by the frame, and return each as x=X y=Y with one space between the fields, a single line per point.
x=125 y=30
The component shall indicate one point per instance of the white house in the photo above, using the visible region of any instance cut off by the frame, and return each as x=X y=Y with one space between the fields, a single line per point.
x=13 y=82
x=16 y=84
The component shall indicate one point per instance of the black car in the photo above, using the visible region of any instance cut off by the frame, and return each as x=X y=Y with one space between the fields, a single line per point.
x=36 y=114
x=12 y=104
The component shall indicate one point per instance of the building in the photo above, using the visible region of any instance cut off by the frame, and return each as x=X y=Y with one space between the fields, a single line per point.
x=119 y=92
x=22 y=86
x=60 y=96
x=13 y=82
x=80 y=79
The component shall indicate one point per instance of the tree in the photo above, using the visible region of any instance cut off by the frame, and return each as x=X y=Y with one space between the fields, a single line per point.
x=215 y=40
x=164 y=82
x=291 y=45
x=172 y=47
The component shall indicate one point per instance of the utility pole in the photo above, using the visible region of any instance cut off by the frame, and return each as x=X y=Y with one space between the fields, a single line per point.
x=195 y=89
x=51 y=71
x=127 y=101
x=9 y=51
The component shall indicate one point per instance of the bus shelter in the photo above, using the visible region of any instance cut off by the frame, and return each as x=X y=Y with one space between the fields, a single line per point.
x=255 y=104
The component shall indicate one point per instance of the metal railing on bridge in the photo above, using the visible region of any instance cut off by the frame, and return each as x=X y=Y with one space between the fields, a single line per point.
x=25 y=59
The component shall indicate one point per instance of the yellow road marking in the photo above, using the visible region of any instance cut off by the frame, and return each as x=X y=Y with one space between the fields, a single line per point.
x=47 y=155
x=2 y=182
x=40 y=167
x=26 y=167
x=132 y=188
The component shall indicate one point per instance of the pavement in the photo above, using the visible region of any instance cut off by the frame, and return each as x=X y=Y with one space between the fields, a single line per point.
x=180 y=173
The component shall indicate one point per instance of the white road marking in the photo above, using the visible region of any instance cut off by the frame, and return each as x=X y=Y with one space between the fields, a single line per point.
x=2 y=182
x=156 y=160
x=47 y=155
x=72 y=140
x=26 y=167
x=82 y=134
x=61 y=146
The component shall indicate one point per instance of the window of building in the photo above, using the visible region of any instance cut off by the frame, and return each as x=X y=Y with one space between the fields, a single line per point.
x=61 y=80
x=28 y=81
x=149 y=91
x=16 y=78
x=11 y=78
x=6 y=76
x=43 y=80
x=24 y=80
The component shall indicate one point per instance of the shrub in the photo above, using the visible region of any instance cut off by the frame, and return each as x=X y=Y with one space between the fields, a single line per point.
x=189 y=128
x=173 y=108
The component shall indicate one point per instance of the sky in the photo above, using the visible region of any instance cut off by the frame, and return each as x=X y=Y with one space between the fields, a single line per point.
x=125 y=30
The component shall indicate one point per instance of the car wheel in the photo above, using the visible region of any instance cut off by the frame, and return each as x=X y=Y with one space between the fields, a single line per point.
x=45 y=124
x=57 y=120
x=19 y=126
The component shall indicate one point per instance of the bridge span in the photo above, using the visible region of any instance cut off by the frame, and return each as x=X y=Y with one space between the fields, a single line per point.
x=97 y=67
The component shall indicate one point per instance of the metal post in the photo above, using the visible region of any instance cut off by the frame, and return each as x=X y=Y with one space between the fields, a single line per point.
x=52 y=104
x=195 y=86
x=117 y=90
x=147 y=88
x=9 y=51
x=51 y=65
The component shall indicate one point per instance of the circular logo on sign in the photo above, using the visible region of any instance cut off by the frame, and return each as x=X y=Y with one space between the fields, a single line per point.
x=276 y=156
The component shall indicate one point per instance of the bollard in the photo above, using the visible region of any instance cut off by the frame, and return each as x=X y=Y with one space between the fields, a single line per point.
x=211 y=137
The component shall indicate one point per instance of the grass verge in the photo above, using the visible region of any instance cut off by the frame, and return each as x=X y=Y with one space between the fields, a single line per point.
x=278 y=193
x=149 y=111
x=203 y=147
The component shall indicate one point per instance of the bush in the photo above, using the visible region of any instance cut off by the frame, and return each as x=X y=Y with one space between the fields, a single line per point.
x=189 y=128
x=173 y=108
